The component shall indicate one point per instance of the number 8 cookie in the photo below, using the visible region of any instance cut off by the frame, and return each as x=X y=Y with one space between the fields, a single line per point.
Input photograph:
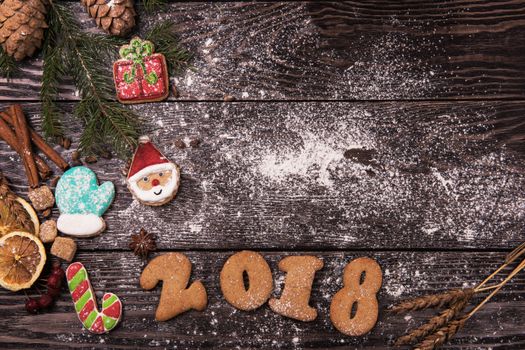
x=83 y=296
x=362 y=280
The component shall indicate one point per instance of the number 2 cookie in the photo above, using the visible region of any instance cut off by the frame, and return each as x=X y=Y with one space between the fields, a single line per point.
x=152 y=179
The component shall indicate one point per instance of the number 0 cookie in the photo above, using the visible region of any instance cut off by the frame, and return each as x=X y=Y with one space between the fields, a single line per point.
x=259 y=277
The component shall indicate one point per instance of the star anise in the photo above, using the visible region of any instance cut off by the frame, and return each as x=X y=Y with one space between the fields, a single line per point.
x=142 y=243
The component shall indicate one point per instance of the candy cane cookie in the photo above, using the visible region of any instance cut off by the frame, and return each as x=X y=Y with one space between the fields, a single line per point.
x=83 y=296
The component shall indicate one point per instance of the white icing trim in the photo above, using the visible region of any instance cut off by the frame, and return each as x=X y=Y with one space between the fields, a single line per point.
x=149 y=197
x=153 y=169
x=80 y=225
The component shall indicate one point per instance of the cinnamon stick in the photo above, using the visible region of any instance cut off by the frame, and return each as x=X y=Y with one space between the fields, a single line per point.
x=26 y=153
x=7 y=134
x=40 y=143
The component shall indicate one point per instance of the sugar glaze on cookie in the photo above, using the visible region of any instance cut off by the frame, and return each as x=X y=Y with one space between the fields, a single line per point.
x=152 y=179
x=82 y=202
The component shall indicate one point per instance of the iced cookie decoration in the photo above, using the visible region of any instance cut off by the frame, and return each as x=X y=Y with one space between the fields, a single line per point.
x=83 y=296
x=82 y=202
x=140 y=75
x=152 y=178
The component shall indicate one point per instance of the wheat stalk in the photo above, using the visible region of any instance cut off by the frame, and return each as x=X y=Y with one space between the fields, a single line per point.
x=442 y=335
x=439 y=300
x=444 y=326
x=446 y=333
x=436 y=322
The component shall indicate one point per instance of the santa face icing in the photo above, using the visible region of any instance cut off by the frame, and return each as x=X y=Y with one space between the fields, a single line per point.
x=152 y=178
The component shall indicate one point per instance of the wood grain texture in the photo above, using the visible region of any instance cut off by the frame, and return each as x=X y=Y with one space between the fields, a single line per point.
x=220 y=326
x=337 y=51
x=322 y=176
x=346 y=165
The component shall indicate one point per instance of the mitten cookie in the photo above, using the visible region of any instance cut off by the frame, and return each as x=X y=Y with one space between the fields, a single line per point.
x=82 y=202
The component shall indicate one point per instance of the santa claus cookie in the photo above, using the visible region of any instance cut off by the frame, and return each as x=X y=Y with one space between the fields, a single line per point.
x=152 y=178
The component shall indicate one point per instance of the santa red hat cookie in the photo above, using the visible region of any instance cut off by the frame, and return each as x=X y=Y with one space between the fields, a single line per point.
x=152 y=178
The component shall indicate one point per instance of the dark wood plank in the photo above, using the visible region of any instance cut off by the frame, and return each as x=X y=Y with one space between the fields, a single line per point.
x=498 y=325
x=324 y=176
x=373 y=50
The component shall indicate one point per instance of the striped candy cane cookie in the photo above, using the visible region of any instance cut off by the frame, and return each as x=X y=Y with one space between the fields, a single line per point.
x=95 y=321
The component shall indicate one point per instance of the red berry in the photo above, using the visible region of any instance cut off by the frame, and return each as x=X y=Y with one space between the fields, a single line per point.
x=53 y=292
x=45 y=301
x=32 y=305
x=58 y=272
x=54 y=281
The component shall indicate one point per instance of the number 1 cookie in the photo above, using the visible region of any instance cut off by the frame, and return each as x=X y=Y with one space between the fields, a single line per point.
x=83 y=296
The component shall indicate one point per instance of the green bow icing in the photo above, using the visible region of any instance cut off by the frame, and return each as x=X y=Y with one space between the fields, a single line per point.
x=135 y=52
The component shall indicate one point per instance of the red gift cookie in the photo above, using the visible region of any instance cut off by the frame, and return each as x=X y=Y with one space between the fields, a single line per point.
x=140 y=75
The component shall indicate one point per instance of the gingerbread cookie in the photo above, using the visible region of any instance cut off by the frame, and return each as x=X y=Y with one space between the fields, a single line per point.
x=82 y=202
x=300 y=273
x=174 y=270
x=140 y=75
x=260 y=280
x=363 y=292
x=64 y=248
x=83 y=296
x=152 y=178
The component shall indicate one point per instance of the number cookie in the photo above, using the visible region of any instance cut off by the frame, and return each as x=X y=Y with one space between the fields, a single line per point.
x=152 y=178
x=362 y=292
x=300 y=273
x=82 y=202
x=174 y=270
x=83 y=296
x=260 y=280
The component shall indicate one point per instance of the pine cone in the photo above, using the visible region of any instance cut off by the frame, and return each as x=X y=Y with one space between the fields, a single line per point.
x=116 y=17
x=22 y=24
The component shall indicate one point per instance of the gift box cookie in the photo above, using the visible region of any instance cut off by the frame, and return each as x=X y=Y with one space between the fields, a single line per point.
x=140 y=75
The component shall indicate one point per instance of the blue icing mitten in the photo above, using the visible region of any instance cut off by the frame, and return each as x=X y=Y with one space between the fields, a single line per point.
x=82 y=202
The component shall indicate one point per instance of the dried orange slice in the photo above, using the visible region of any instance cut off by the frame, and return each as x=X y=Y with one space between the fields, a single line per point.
x=8 y=222
x=22 y=258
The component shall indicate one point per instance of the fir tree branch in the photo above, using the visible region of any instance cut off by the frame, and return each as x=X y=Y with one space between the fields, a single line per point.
x=163 y=36
x=153 y=5
x=8 y=65
x=84 y=56
x=53 y=69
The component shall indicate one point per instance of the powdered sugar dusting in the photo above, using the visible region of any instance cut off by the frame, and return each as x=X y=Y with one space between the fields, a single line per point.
x=288 y=57
x=296 y=176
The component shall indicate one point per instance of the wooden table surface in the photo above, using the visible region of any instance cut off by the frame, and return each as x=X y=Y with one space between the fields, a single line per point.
x=386 y=129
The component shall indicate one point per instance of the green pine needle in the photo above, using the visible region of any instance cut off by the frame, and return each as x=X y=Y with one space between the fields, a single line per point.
x=8 y=65
x=153 y=5
x=163 y=36
x=69 y=51
x=81 y=55
x=53 y=69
